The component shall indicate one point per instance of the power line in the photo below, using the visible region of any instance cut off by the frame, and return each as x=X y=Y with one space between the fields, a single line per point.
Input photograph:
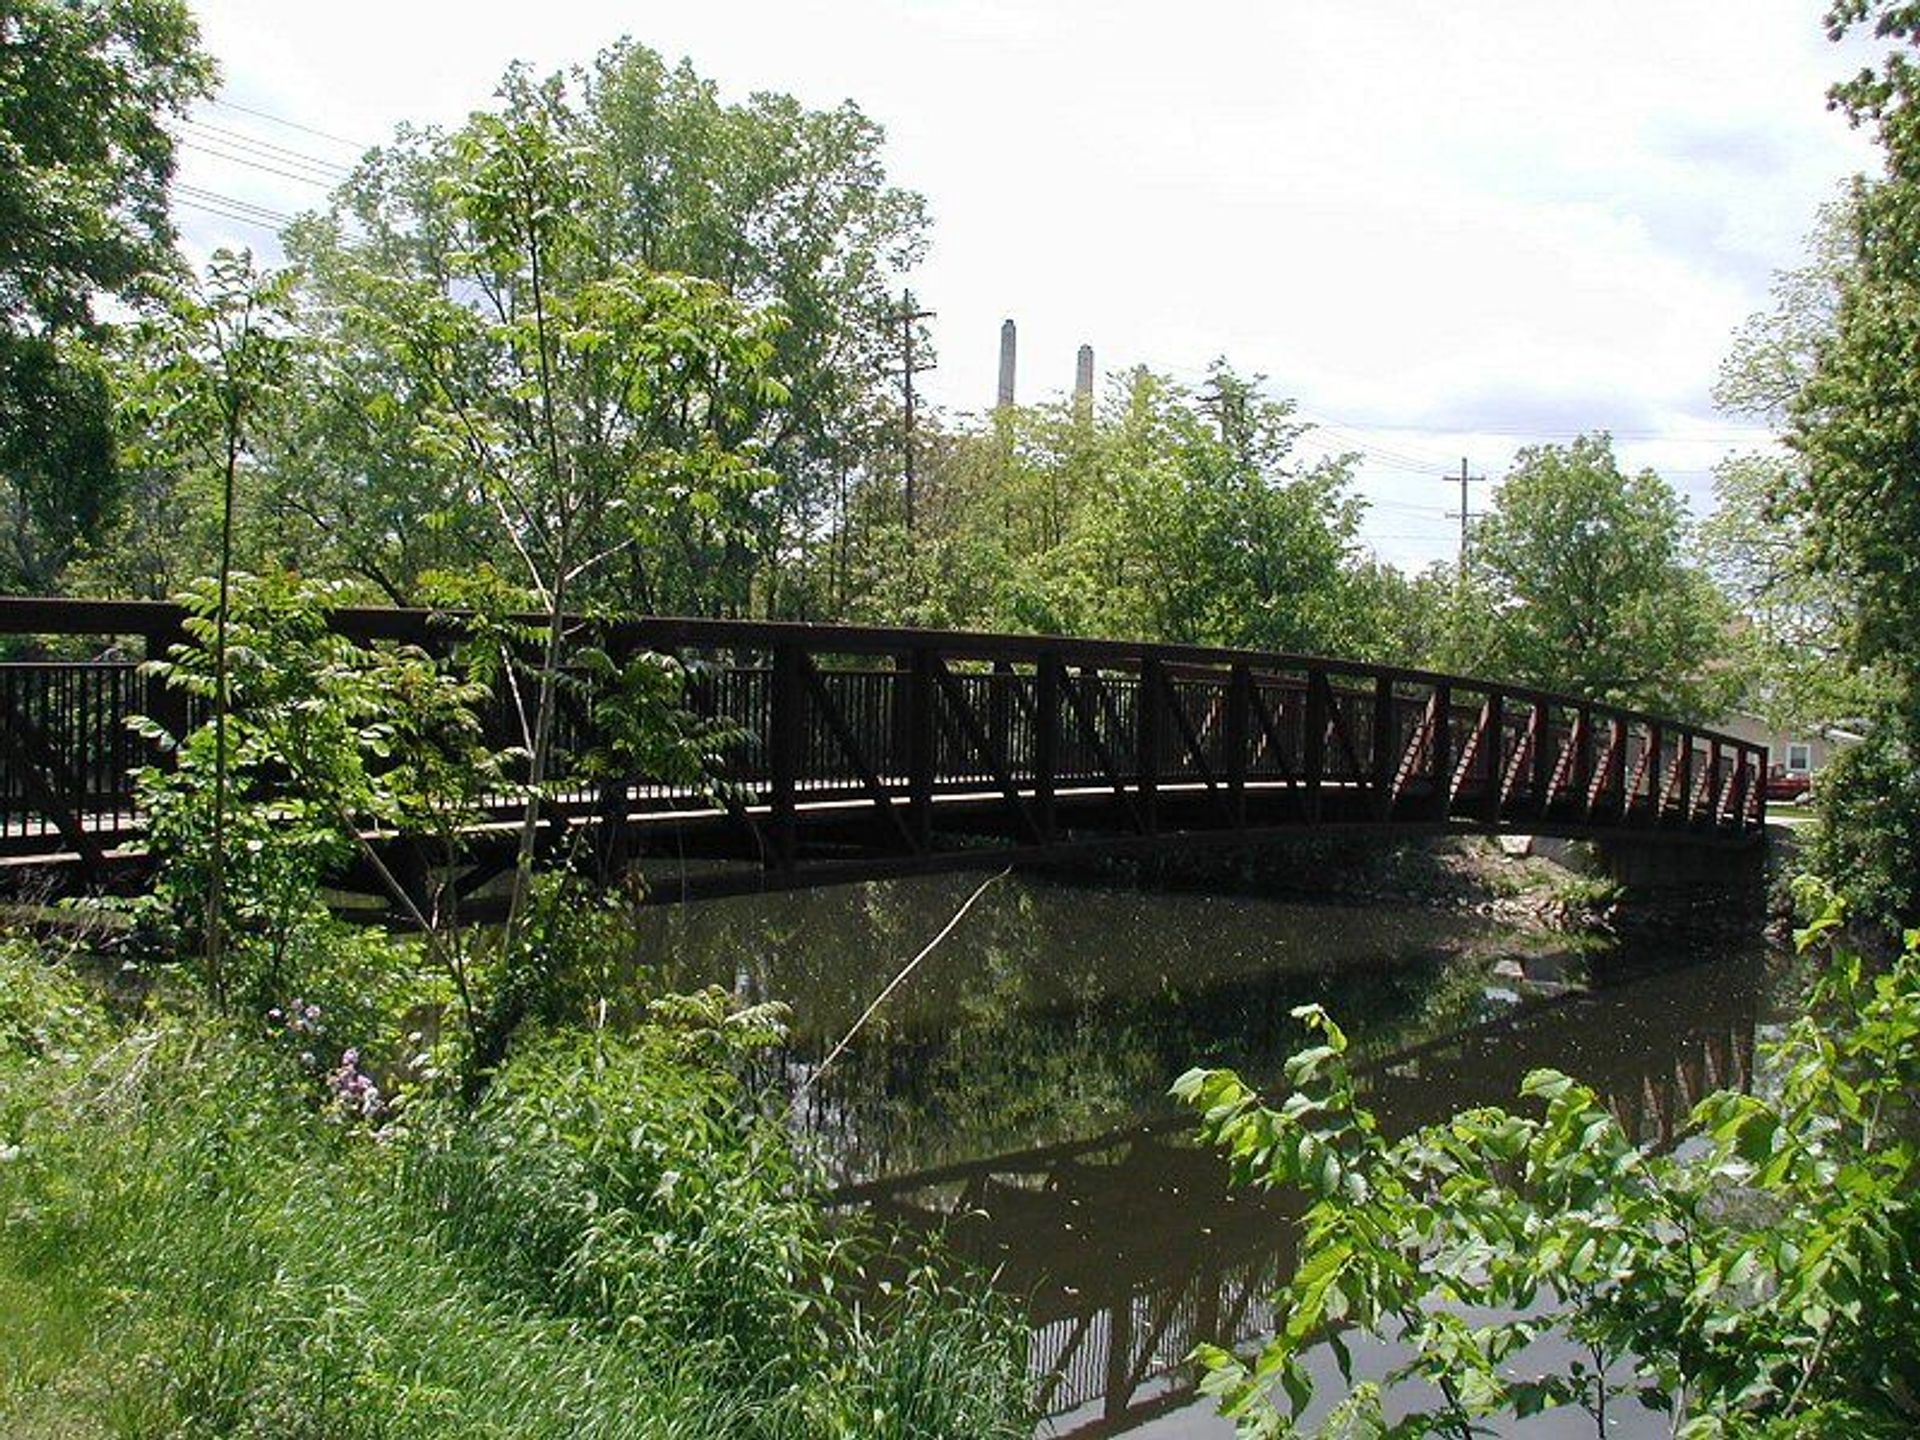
x=319 y=181
x=291 y=124
x=201 y=195
x=266 y=149
x=209 y=209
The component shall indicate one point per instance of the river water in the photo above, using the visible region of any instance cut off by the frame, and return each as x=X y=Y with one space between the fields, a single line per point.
x=1011 y=1095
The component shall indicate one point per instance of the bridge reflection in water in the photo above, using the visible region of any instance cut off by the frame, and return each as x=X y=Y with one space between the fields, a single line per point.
x=1130 y=1248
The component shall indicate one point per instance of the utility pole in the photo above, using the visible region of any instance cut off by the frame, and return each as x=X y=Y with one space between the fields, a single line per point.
x=908 y=319
x=1466 y=512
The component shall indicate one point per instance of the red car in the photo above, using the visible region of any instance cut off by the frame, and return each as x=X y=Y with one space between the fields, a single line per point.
x=1788 y=785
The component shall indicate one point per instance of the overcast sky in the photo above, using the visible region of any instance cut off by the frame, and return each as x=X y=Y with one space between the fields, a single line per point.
x=1446 y=229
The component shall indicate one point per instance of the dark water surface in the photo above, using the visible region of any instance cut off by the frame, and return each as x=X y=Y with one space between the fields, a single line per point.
x=1011 y=1095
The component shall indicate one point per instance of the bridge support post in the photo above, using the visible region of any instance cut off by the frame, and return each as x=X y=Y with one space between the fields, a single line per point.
x=1147 y=717
x=1386 y=749
x=1046 y=742
x=1239 y=714
x=164 y=703
x=1543 y=758
x=1656 y=773
x=1313 y=740
x=1493 y=749
x=920 y=746
x=1442 y=751
x=786 y=723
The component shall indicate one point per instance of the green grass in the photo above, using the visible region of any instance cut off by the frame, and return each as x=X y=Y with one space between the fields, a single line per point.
x=611 y=1245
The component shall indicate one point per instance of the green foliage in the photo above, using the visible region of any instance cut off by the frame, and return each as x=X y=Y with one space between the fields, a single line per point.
x=1869 y=804
x=1578 y=580
x=45 y=1012
x=614 y=1245
x=1758 y=1278
x=325 y=739
x=1854 y=423
x=1793 y=642
x=686 y=295
x=59 y=480
x=1166 y=514
x=86 y=91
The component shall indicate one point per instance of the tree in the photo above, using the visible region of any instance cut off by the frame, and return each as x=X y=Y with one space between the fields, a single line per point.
x=1166 y=515
x=220 y=355
x=1855 y=423
x=1757 y=544
x=1756 y=1276
x=777 y=209
x=85 y=89
x=1584 y=587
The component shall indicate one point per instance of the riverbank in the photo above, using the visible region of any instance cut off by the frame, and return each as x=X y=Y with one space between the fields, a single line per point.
x=1522 y=882
x=205 y=1228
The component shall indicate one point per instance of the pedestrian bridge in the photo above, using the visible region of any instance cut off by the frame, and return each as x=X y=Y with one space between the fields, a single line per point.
x=868 y=751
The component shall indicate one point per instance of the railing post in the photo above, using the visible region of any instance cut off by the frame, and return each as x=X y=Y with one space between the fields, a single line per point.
x=163 y=702
x=1046 y=741
x=786 y=726
x=1313 y=740
x=1386 y=753
x=1149 y=706
x=1656 y=782
x=1239 y=713
x=920 y=747
x=1580 y=774
x=1713 y=785
x=1442 y=750
x=1686 y=779
x=1544 y=760
x=1496 y=738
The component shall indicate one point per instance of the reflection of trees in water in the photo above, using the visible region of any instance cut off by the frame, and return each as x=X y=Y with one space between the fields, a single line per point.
x=1058 y=1013
x=1054 y=1011
x=1130 y=1247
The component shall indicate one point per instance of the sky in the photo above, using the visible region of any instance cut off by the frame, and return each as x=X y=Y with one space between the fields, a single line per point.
x=1446 y=230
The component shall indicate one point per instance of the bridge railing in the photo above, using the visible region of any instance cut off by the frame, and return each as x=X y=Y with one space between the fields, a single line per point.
x=889 y=738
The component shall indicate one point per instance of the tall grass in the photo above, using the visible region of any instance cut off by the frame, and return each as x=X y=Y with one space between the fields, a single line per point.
x=611 y=1245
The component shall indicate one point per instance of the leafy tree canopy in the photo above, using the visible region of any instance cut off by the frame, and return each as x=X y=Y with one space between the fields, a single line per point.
x=775 y=209
x=86 y=87
x=1580 y=571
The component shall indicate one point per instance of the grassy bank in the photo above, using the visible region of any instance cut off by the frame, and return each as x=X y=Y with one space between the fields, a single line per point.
x=203 y=1236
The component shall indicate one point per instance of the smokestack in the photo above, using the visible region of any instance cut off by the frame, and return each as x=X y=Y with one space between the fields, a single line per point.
x=1083 y=377
x=1006 y=365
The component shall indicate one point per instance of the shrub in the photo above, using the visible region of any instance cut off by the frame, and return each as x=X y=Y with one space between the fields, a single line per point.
x=1763 y=1278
